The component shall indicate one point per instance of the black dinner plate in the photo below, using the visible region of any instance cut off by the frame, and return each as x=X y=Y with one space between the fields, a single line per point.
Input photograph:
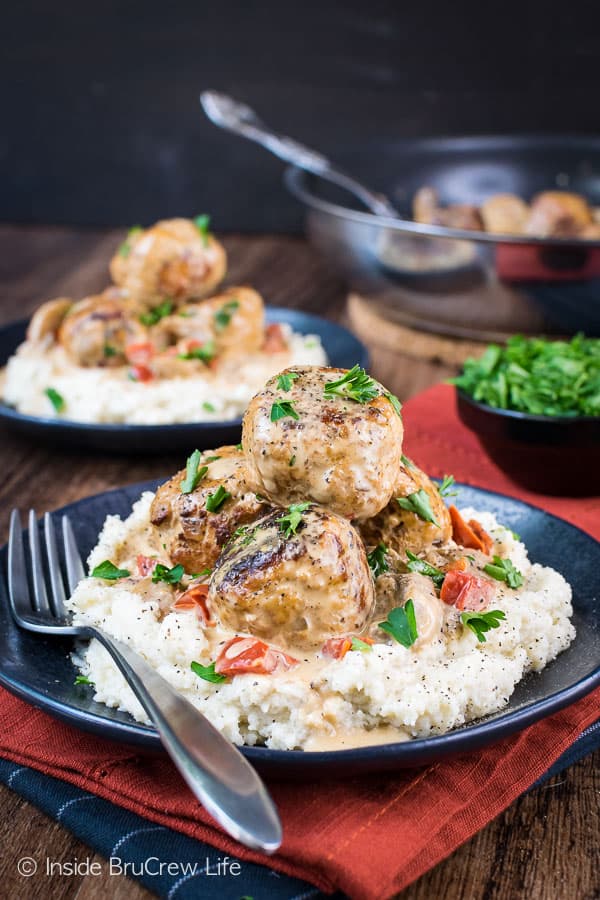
x=342 y=348
x=39 y=669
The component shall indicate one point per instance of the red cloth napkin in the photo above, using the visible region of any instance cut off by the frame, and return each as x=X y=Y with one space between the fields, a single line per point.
x=370 y=836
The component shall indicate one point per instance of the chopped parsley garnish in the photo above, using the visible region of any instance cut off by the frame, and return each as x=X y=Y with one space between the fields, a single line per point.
x=193 y=474
x=153 y=316
x=207 y=672
x=208 y=407
x=292 y=460
x=416 y=564
x=401 y=623
x=109 y=350
x=216 y=500
x=205 y=573
x=362 y=646
x=395 y=403
x=205 y=353
x=223 y=315
x=210 y=459
x=109 y=571
x=516 y=536
x=290 y=521
x=57 y=400
x=238 y=447
x=407 y=462
x=281 y=409
x=83 y=679
x=377 y=560
x=419 y=504
x=164 y=573
x=246 y=532
x=286 y=380
x=125 y=248
x=504 y=570
x=446 y=486
x=202 y=223
x=355 y=385
x=479 y=623
x=537 y=376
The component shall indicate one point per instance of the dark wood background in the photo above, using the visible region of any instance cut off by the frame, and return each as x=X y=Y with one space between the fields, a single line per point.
x=100 y=116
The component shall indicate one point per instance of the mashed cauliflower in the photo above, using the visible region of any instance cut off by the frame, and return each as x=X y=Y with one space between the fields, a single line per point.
x=107 y=395
x=387 y=694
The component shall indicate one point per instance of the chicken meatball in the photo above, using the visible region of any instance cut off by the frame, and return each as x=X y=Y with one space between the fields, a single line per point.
x=403 y=529
x=174 y=258
x=324 y=434
x=505 y=214
x=229 y=323
x=47 y=318
x=558 y=214
x=96 y=330
x=195 y=526
x=294 y=579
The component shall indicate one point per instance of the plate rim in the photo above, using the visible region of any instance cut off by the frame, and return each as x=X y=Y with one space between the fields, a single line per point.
x=465 y=738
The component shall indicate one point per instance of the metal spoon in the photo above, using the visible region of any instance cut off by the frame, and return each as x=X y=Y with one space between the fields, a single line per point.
x=234 y=116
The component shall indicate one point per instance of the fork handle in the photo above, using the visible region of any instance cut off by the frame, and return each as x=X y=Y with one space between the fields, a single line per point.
x=217 y=773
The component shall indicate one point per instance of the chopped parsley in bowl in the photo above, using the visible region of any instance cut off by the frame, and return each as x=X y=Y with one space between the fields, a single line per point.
x=535 y=408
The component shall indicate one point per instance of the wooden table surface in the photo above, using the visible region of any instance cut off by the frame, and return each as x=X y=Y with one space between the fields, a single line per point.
x=544 y=847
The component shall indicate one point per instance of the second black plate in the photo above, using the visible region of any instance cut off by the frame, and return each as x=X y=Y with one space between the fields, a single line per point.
x=341 y=347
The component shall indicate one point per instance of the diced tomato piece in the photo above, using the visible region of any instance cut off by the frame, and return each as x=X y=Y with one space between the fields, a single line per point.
x=141 y=373
x=468 y=536
x=337 y=647
x=141 y=353
x=195 y=598
x=275 y=341
x=146 y=564
x=244 y=655
x=467 y=591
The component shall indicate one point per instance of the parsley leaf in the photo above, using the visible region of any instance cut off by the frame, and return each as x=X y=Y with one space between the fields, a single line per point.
x=292 y=460
x=202 y=224
x=281 y=409
x=83 y=679
x=246 y=532
x=125 y=248
x=207 y=672
x=401 y=623
x=164 y=573
x=407 y=462
x=205 y=573
x=193 y=475
x=208 y=407
x=395 y=403
x=286 y=379
x=419 y=504
x=504 y=570
x=222 y=317
x=216 y=500
x=57 y=400
x=239 y=447
x=153 y=316
x=416 y=564
x=446 y=486
x=109 y=571
x=479 y=623
x=362 y=646
x=355 y=385
x=109 y=350
x=290 y=522
x=206 y=352
x=377 y=560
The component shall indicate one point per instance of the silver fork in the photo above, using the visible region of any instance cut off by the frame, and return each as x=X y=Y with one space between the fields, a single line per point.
x=219 y=776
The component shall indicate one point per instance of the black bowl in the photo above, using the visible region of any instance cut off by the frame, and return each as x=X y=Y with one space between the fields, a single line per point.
x=547 y=454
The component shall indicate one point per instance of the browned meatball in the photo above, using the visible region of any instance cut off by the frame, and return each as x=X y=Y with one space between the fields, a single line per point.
x=326 y=447
x=173 y=258
x=426 y=209
x=296 y=590
x=96 y=330
x=505 y=214
x=194 y=536
x=401 y=529
x=558 y=214
x=232 y=322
